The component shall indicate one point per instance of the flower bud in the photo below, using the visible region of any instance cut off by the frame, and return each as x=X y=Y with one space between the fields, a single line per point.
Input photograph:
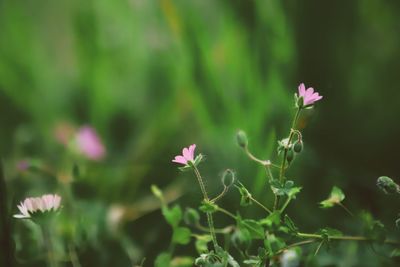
x=290 y=155
x=387 y=185
x=298 y=146
x=241 y=139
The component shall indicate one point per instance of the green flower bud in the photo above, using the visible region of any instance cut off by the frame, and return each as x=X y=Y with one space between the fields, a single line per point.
x=191 y=217
x=387 y=185
x=290 y=155
x=241 y=139
x=298 y=146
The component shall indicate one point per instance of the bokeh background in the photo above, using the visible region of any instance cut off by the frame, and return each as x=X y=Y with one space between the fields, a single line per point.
x=154 y=76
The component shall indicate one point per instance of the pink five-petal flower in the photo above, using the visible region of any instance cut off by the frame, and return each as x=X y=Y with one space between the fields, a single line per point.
x=187 y=155
x=89 y=143
x=309 y=96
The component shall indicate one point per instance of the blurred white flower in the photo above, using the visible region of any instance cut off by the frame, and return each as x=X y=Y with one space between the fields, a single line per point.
x=32 y=205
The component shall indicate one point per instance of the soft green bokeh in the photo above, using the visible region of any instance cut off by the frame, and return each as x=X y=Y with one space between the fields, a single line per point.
x=155 y=76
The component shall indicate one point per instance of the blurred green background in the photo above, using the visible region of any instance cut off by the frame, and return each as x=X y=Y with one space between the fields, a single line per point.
x=155 y=76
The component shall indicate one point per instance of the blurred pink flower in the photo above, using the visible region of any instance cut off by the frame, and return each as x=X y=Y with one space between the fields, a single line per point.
x=89 y=143
x=309 y=96
x=41 y=204
x=187 y=155
x=23 y=165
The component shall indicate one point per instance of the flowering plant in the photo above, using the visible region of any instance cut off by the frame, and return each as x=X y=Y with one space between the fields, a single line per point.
x=274 y=240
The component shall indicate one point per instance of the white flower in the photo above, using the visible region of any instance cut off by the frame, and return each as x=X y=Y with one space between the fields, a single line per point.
x=31 y=205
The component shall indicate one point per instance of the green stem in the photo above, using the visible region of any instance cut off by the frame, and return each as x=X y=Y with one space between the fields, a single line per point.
x=51 y=259
x=346 y=209
x=261 y=205
x=349 y=238
x=227 y=213
x=210 y=220
x=285 y=204
x=294 y=122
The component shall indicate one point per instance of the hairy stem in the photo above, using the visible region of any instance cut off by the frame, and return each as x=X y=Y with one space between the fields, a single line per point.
x=261 y=205
x=210 y=220
x=294 y=122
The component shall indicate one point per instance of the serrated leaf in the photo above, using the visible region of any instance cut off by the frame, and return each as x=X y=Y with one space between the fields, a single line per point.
x=181 y=235
x=336 y=196
x=172 y=215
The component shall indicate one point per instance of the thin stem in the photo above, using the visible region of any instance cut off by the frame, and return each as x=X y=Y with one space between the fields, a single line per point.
x=201 y=183
x=285 y=204
x=346 y=209
x=224 y=231
x=319 y=247
x=351 y=238
x=73 y=256
x=51 y=259
x=227 y=213
x=210 y=220
x=212 y=229
x=282 y=171
x=261 y=205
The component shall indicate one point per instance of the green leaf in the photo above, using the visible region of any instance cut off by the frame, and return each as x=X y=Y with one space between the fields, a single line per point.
x=290 y=224
x=191 y=216
x=201 y=243
x=245 y=199
x=163 y=260
x=287 y=189
x=336 y=197
x=255 y=229
x=241 y=238
x=377 y=232
x=273 y=244
x=172 y=215
x=181 y=235
x=273 y=221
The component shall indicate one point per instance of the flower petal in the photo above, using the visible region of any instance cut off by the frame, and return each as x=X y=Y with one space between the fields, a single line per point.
x=302 y=90
x=180 y=159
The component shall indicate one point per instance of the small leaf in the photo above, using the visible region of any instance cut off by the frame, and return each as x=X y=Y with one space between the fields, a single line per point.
x=181 y=235
x=172 y=215
x=273 y=221
x=336 y=197
x=163 y=260
x=290 y=224
x=191 y=216
x=273 y=244
x=201 y=243
x=255 y=229
x=245 y=199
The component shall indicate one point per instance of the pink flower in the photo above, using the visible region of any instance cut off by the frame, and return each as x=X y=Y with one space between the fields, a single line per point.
x=89 y=143
x=187 y=155
x=309 y=96
x=41 y=204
